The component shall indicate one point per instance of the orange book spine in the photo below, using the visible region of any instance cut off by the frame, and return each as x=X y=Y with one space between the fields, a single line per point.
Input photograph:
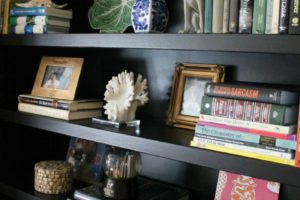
x=5 y=17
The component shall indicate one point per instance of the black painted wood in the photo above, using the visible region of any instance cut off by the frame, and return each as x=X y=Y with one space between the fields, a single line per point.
x=286 y=44
x=158 y=140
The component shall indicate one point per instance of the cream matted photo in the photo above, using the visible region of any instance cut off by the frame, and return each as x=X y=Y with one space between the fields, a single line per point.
x=187 y=91
x=57 y=77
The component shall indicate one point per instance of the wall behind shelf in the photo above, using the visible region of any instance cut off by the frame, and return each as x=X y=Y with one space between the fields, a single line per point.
x=18 y=70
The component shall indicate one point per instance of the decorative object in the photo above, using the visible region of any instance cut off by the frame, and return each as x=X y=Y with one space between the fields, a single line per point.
x=123 y=96
x=188 y=88
x=57 y=77
x=193 y=15
x=85 y=156
x=109 y=16
x=39 y=3
x=53 y=177
x=235 y=186
x=149 y=16
x=121 y=168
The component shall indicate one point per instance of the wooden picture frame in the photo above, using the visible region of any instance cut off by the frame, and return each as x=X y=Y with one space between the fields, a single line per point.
x=187 y=91
x=57 y=77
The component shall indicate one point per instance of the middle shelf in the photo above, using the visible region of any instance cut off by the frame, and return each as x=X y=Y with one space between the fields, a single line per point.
x=160 y=140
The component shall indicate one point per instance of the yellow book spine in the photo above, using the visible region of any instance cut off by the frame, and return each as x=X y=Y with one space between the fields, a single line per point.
x=5 y=17
x=243 y=153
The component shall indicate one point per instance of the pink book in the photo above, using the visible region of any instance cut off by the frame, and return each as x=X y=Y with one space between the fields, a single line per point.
x=238 y=187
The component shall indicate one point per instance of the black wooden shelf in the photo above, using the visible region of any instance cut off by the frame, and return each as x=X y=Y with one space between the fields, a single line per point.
x=286 y=44
x=159 y=140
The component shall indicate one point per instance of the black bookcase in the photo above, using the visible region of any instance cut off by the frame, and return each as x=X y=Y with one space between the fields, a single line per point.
x=167 y=156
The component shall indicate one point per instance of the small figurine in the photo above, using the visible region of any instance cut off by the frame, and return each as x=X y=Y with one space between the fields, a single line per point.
x=197 y=17
x=123 y=96
x=38 y=3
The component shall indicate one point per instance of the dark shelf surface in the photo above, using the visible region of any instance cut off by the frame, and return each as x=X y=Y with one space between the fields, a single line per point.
x=159 y=140
x=286 y=44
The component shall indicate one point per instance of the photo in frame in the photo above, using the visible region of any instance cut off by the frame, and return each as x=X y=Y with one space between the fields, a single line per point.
x=187 y=91
x=57 y=77
x=86 y=156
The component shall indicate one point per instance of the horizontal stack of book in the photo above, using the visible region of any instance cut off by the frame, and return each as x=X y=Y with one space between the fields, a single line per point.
x=249 y=120
x=38 y=20
x=249 y=16
x=60 y=109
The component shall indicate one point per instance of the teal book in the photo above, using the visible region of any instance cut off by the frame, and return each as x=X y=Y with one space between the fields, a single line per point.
x=208 y=12
x=259 y=17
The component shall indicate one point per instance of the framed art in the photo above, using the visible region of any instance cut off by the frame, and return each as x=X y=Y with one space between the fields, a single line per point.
x=85 y=156
x=187 y=91
x=57 y=77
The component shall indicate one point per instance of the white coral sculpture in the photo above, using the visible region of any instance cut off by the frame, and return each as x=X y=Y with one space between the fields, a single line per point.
x=37 y=3
x=123 y=96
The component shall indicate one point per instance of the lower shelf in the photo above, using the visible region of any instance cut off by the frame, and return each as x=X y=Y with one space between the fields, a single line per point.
x=157 y=139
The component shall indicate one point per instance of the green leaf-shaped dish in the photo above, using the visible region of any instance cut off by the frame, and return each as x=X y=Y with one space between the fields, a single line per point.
x=110 y=16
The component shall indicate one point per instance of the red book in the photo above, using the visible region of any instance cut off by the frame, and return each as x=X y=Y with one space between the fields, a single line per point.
x=234 y=186
x=297 y=153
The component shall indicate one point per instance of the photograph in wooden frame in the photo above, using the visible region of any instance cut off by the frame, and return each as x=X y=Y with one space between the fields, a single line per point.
x=187 y=90
x=57 y=77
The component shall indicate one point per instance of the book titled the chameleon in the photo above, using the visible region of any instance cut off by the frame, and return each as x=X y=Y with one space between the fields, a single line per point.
x=252 y=92
x=249 y=110
x=232 y=186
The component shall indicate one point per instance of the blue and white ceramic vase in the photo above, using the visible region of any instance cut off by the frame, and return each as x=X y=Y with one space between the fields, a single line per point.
x=149 y=16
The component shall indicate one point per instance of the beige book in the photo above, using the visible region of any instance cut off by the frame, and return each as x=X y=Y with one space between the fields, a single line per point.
x=217 y=18
x=58 y=113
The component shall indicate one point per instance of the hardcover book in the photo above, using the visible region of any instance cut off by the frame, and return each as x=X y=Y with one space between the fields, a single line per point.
x=259 y=17
x=232 y=133
x=294 y=18
x=297 y=153
x=218 y=14
x=284 y=16
x=246 y=16
x=75 y=105
x=208 y=16
x=249 y=110
x=232 y=186
x=85 y=157
x=272 y=16
x=233 y=16
x=252 y=92
x=58 y=113
x=216 y=146
x=278 y=129
x=40 y=11
x=147 y=190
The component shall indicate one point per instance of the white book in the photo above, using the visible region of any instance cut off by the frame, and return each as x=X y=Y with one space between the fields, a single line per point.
x=290 y=129
x=226 y=16
x=272 y=16
x=244 y=148
x=58 y=113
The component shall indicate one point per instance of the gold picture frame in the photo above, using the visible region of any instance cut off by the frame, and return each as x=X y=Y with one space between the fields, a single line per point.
x=57 y=77
x=187 y=91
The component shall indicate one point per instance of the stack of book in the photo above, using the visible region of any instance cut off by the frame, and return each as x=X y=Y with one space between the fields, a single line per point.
x=249 y=120
x=39 y=20
x=60 y=109
x=251 y=16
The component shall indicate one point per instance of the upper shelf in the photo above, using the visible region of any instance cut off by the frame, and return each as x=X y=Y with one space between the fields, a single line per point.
x=287 y=44
x=159 y=140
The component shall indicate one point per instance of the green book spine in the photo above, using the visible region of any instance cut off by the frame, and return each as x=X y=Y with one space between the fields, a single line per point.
x=259 y=17
x=208 y=11
x=249 y=110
